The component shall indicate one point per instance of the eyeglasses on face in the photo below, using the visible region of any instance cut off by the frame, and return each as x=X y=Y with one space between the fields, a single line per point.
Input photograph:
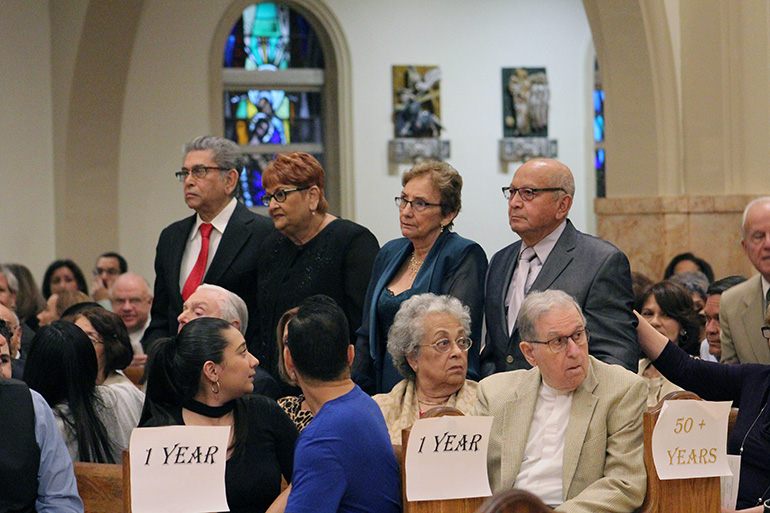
x=418 y=205
x=111 y=271
x=445 y=344
x=133 y=301
x=280 y=195
x=559 y=344
x=197 y=172
x=527 y=193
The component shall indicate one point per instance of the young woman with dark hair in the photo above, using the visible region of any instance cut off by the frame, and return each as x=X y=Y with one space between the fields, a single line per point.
x=669 y=308
x=203 y=377
x=63 y=275
x=96 y=421
x=110 y=338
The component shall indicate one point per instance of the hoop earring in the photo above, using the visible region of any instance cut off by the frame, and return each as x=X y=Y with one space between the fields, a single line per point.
x=216 y=391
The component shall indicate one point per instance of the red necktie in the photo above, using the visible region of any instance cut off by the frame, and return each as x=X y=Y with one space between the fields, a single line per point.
x=196 y=276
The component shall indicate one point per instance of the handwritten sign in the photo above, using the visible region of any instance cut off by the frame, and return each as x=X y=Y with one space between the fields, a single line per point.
x=690 y=439
x=447 y=458
x=178 y=469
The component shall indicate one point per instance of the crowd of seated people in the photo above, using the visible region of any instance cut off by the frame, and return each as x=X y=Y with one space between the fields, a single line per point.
x=410 y=318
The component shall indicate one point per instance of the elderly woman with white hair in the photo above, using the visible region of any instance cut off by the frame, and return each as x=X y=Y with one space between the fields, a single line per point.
x=429 y=344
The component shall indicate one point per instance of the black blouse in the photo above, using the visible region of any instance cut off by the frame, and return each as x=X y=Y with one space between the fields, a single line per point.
x=336 y=262
x=253 y=478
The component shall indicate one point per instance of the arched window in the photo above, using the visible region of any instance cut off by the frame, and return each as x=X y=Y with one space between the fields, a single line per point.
x=599 y=155
x=274 y=87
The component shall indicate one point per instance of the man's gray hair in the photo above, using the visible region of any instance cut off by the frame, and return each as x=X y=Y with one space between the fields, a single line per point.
x=763 y=199
x=13 y=283
x=231 y=306
x=536 y=305
x=408 y=329
x=227 y=154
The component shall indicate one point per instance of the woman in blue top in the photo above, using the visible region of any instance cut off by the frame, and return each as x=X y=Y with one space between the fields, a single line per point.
x=429 y=258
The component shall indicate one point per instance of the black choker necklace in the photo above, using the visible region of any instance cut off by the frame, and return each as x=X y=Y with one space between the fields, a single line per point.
x=208 y=411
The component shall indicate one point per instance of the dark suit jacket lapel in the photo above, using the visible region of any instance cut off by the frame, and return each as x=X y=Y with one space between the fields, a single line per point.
x=559 y=258
x=177 y=247
x=510 y=266
x=235 y=236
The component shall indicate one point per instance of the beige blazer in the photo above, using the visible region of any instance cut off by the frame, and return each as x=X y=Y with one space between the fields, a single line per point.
x=603 y=451
x=741 y=318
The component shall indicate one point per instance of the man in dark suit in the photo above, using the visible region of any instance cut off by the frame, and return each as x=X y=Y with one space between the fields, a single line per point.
x=218 y=244
x=555 y=256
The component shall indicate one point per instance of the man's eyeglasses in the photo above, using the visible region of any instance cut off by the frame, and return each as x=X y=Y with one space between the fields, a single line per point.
x=197 y=172
x=527 y=193
x=444 y=345
x=280 y=195
x=111 y=271
x=133 y=301
x=417 y=205
x=766 y=332
x=559 y=344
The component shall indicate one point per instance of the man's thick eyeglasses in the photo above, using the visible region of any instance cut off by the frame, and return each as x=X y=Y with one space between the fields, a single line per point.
x=559 y=344
x=280 y=195
x=527 y=193
x=766 y=332
x=111 y=271
x=418 y=204
x=197 y=172
x=444 y=345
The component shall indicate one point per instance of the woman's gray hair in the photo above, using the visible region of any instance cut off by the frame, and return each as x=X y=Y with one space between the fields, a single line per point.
x=231 y=306
x=536 y=305
x=13 y=283
x=408 y=329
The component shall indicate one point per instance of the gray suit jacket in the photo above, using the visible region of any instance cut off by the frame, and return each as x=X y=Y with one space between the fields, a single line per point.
x=741 y=317
x=591 y=270
x=603 y=452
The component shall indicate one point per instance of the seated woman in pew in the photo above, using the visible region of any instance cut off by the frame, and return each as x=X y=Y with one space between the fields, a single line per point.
x=669 y=308
x=203 y=377
x=428 y=342
x=96 y=421
x=295 y=405
x=747 y=385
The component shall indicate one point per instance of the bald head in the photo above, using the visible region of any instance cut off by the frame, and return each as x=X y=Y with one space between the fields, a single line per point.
x=131 y=300
x=12 y=320
x=215 y=301
x=545 y=188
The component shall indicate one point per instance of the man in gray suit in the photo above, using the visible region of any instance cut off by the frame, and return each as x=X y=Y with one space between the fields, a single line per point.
x=552 y=254
x=742 y=308
x=568 y=430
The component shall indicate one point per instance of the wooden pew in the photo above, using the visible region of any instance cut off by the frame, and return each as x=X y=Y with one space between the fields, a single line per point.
x=436 y=506
x=701 y=495
x=101 y=487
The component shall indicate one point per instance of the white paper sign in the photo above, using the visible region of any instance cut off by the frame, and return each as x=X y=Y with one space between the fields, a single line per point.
x=447 y=458
x=690 y=439
x=178 y=469
x=729 y=484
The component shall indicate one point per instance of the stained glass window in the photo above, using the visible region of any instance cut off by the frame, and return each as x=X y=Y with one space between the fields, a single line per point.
x=273 y=82
x=599 y=155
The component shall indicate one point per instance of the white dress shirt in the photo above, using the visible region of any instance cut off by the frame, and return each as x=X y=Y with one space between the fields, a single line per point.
x=193 y=246
x=541 y=468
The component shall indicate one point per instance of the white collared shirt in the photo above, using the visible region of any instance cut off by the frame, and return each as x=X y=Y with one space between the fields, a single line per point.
x=193 y=246
x=541 y=469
